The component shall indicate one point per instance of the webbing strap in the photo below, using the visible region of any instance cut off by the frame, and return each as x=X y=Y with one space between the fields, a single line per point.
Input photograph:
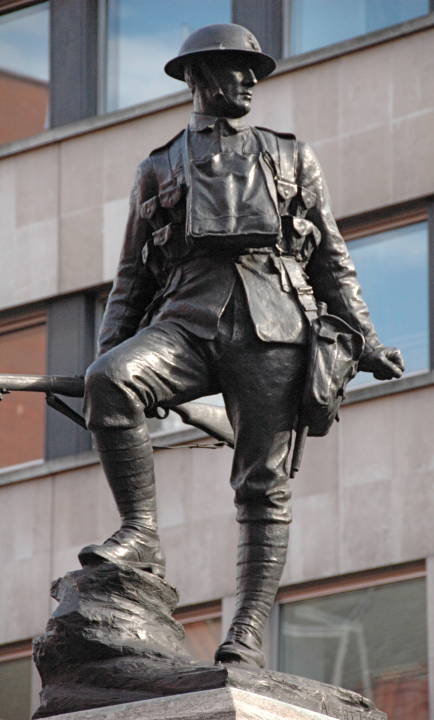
x=266 y=147
x=284 y=153
x=304 y=291
x=287 y=152
x=282 y=150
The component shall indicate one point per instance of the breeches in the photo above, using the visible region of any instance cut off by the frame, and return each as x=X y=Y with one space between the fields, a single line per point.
x=164 y=365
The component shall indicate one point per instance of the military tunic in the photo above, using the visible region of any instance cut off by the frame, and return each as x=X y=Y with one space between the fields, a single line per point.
x=208 y=301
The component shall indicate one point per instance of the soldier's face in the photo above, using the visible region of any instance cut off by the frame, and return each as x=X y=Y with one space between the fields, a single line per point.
x=229 y=87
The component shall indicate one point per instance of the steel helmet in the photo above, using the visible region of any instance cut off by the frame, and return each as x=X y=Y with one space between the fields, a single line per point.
x=213 y=39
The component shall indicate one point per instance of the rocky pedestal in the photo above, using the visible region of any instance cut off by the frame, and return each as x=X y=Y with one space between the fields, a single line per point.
x=112 y=640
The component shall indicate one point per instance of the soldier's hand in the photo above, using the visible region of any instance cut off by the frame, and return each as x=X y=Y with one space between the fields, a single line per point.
x=384 y=362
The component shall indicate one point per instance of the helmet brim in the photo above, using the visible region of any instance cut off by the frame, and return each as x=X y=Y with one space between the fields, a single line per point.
x=262 y=64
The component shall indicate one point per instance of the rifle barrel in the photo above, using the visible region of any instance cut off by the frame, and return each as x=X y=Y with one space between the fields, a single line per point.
x=61 y=384
x=210 y=418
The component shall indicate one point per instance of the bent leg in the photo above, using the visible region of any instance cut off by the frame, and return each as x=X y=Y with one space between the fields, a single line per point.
x=158 y=366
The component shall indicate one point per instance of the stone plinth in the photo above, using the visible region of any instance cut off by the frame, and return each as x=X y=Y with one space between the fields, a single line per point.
x=222 y=704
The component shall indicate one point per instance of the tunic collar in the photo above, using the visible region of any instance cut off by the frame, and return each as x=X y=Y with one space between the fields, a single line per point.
x=201 y=122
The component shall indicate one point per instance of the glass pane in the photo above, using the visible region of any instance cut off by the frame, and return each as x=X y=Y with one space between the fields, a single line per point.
x=22 y=414
x=142 y=36
x=24 y=74
x=15 y=689
x=316 y=23
x=203 y=637
x=393 y=270
x=373 y=641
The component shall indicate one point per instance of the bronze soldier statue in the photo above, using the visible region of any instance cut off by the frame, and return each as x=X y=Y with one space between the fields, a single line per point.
x=229 y=246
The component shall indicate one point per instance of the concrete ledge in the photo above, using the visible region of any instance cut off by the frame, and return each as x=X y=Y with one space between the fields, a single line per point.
x=42 y=468
x=161 y=440
x=390 y=387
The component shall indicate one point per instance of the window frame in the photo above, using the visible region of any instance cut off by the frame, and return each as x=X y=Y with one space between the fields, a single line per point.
x=11 y=322
x=16 y=650
x=383 y=220
x=352 y=581
x=20 y=650
x=349 y=582
x=286 y=13
x=102 y=57
x=22 y=321
x=191 y=614
x=195 y=613
x=8 y=7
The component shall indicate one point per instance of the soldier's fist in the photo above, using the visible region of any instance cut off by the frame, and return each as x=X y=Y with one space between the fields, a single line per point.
x=384 y=362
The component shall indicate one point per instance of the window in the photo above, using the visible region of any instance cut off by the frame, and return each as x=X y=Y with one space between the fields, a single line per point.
x=15 y=681
x=24 y=73
x=141 y=36
x=22 y=414
x=372 y=640
x=203 y=629
x=312 y=24
x=393 y=270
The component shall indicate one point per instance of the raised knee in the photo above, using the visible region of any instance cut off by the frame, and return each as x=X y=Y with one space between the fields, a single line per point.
x=111 y=397
x=105 y=373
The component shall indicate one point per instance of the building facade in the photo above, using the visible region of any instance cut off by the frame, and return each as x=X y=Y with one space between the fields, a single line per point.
x=84 y=104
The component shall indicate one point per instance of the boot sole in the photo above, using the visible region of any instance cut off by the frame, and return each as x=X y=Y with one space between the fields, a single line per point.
x=97 y=556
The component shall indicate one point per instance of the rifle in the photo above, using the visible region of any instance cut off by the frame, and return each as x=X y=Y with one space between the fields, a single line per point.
x=212 y=419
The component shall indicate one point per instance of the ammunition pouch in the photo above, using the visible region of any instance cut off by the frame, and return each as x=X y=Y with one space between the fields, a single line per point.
x=333 y=354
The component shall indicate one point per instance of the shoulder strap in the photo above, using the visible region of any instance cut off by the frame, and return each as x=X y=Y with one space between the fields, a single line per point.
x=168 y=161
x=167 y=145
x=287 y=157
x=176 y=154
x=268 y=145
x=283 y=148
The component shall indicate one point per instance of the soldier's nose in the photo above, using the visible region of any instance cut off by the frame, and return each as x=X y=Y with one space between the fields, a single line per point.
x=250 y=78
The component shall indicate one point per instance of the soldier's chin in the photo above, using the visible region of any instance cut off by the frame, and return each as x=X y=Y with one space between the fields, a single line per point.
x=237 y=108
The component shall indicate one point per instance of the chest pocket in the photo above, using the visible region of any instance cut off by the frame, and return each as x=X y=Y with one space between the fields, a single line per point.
x=170 y=196
x=165 y=214
x=286 y=191
x=230 y=194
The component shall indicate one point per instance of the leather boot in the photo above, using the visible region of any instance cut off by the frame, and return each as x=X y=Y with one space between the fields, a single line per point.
x=262 y=551
x=127 y=459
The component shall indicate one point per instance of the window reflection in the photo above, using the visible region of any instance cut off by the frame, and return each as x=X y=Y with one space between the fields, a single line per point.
x=141 y=36
x=373 y=641
x=22 y=418
x=202 y=638
x=15 y=678
x=393 y=270
x=316 y=23
x=203 y=629
x=24 y=73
